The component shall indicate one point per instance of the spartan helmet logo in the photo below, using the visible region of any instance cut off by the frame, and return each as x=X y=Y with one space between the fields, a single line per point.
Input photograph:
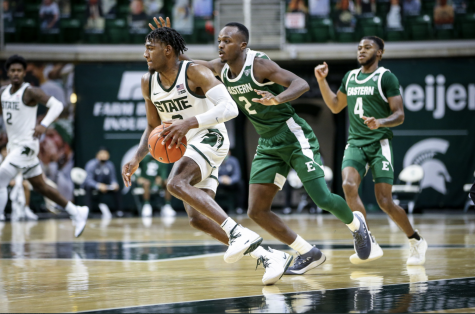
x=435 y=172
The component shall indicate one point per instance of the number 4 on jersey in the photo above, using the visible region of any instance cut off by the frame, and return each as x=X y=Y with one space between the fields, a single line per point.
x=359 y=107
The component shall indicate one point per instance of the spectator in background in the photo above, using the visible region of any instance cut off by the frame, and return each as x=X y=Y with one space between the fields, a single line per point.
x=365 y=7
x=138 y=18
x=183 y=15
x=230 y=181
x=394 y=16
x=345 y=10
x=443 y=13
x=95 y=17
x=203 y=8
x=460 y=6
x=49 y=16
x=152 y=177
x=412 y=7
x=101 y=179
x=320 y=8
x=48 y=86
x=297 y=6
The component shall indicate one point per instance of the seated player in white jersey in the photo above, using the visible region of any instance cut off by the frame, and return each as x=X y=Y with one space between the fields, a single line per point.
x=19 y=106
x=191 y=98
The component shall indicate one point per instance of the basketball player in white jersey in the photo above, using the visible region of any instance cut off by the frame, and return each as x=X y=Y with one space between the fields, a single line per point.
x=189 y=96
x=19 y=106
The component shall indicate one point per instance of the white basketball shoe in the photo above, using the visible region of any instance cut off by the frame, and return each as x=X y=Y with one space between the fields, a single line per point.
x=275 y=264
x=241 y=242
x=80 y=219
x=417 y=252
x=147 y=210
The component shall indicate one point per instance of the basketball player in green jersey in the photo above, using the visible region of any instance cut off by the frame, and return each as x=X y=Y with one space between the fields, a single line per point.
x=374 y=106
x=286 y=141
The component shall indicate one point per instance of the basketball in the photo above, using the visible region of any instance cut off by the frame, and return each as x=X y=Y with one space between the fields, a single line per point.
x=161 y=152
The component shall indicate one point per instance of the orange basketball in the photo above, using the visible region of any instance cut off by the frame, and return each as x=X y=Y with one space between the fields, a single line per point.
x=161 y=152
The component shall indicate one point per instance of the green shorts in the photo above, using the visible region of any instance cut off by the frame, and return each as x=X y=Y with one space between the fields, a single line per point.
x=378 y=156
x=296 y=147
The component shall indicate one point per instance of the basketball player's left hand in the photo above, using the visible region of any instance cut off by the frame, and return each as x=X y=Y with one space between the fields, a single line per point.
x=268 y=99
x=176 y=131
x=39 y=130
x=372 y=123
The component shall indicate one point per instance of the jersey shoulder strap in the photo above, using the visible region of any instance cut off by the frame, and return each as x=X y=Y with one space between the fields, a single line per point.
x=381 y=71
x=251 y=56
x=353 y=72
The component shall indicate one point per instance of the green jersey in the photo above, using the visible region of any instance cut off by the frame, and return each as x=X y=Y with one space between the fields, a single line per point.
x=367 y=95
x=268 y=120
x=150 y=168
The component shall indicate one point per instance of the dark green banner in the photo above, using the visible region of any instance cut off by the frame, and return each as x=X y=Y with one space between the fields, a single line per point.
x=439 y=128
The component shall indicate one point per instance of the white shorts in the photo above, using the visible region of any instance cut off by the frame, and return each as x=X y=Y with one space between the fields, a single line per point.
x=208 y=148
x=24 y=160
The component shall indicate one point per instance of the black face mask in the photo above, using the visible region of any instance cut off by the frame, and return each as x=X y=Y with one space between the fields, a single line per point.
x=102 y=161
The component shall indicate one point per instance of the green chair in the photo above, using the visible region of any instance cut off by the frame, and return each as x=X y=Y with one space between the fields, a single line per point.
x=321 y=29
x=395 y=35
x=123 y=10
x=466 y=26
x=427 y=7
x=345 y=35
x=94 y=38
x=445 y=32
x=200 y=35
x=79 y=11
x=32 y=10
x=70 y=30
x=117 y=31
x=371 y=26
x=420 y=28
x=294 y=37
x=26 y=30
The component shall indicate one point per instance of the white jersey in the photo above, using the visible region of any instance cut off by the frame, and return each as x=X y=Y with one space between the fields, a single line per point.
x=178 y=102
x=19 y=119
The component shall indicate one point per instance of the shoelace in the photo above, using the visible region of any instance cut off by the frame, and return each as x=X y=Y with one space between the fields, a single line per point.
x=298 y=259
x=359 y=241
x=414 y=250
x=264 y=261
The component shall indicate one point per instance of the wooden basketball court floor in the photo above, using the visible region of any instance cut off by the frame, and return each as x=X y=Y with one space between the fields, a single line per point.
x=163 y=265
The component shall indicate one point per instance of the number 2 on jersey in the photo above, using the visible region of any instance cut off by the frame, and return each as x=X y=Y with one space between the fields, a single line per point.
x=9 y=118
x=248 y=105
x=359 y=107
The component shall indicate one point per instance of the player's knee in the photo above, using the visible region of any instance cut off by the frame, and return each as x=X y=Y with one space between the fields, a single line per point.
x=176 y=187
x=385 y=202
x=254 y=214
x=41 y=188
x=146 y=184
x=350 y=187
x=196 y=222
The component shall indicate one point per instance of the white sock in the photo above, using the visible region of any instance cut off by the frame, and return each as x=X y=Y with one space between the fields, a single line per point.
x=71 y=209
x=258 y=252
x=228 y=225
x=301 y=246
x=355 y=224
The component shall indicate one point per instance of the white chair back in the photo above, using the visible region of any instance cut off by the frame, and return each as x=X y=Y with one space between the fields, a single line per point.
x=78 y=175
x=294 y=179
x=411 y=174
x=328 y=173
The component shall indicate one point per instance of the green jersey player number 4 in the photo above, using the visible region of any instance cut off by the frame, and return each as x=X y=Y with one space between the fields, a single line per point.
x=374 y=103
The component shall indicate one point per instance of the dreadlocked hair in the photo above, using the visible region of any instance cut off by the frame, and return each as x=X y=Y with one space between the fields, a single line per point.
x=168 y=36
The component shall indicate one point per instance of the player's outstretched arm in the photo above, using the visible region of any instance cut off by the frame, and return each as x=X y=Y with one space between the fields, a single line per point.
x=202 y=81
x=337 y=102
x=397 y=118
x=214 y=65
x=153 y=120
x=267 y=70
x=35 y=95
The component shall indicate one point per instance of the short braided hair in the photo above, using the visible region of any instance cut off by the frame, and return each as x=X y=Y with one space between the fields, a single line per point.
x=377 y=40
x=168 y=36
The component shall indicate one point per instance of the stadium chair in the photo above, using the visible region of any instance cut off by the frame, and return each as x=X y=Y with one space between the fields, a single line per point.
x=345 y=34
x=295 y=37
x=427 y=7
x=465 y=26
x=199 y=31
x=70 y=30
x=370 y=26
x=79 y=11
x=321 y=29
x=123 y=11
x=420 y=28
x=395 y=34
x=407 y=194
x=116 y=31
x=32 y=10
x=26 y=30
x=469 y=202
x=444 y=32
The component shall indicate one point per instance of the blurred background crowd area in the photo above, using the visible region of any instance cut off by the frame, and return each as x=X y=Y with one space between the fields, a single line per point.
x=306 y=21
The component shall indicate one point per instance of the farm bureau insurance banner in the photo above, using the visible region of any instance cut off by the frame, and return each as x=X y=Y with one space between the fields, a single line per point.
x=439 y=130
x=110 y=111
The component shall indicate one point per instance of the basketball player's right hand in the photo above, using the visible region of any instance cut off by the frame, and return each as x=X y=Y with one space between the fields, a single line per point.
x=128 y=170
x=321 y=71
x=160 y=24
